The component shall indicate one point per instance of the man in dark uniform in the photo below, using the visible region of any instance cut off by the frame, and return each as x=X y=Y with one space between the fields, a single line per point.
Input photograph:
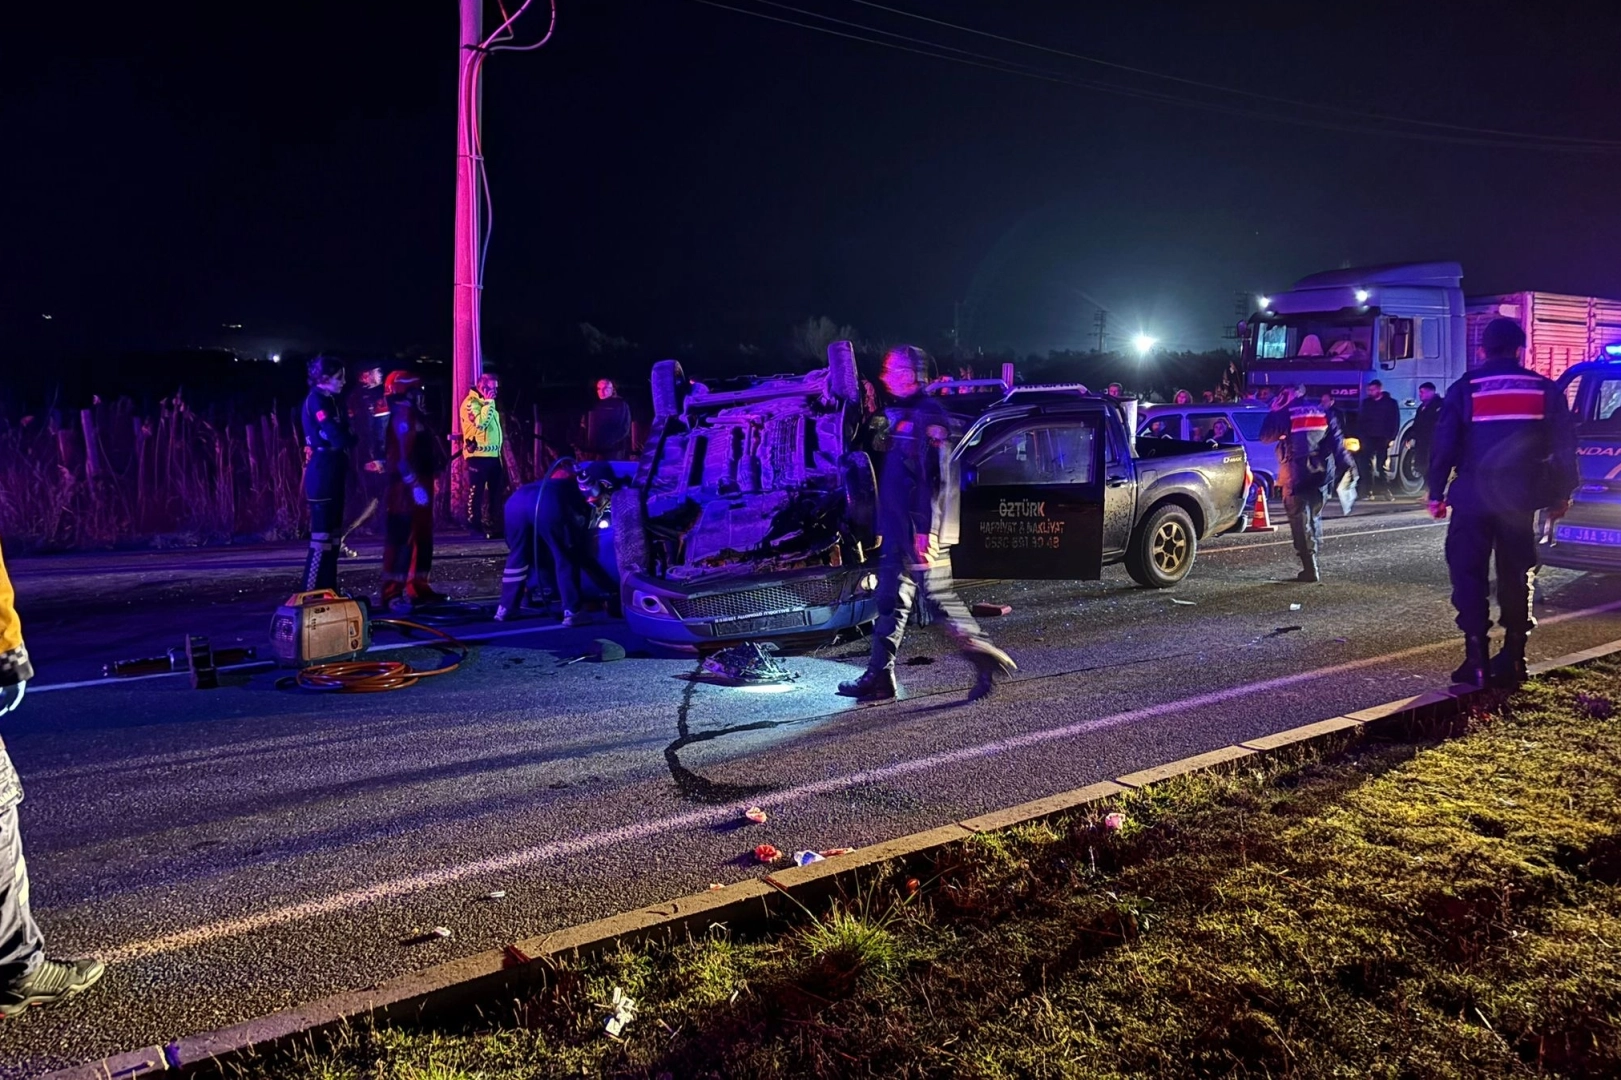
x=1508 y=434
x=415 y=459
x=1376 y=427
x=1423 y=430
x=551 y=533
x=1309 y=446
x=327 y=441
x=917 y=501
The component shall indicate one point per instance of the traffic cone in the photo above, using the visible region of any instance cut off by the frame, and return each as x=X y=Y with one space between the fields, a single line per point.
x=1261 y=520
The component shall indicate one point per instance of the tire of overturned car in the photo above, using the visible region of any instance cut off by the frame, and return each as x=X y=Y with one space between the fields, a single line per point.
x=861 y=496
x=843 y=380
x=1162 y=549
x=630 y=537
x=666 y=388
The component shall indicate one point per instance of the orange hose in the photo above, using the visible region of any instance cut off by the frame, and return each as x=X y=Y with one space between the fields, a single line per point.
x=377 y=676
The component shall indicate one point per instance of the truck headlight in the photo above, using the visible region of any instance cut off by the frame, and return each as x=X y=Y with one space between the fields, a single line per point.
x=867 y=583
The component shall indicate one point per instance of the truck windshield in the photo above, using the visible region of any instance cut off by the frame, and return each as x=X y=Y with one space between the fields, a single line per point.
x=1315 y=340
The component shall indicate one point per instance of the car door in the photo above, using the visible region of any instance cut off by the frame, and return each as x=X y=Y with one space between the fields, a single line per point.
x=1032 y=499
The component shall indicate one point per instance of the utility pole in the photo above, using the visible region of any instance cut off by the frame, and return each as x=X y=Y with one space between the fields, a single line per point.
x=1100 y=325
x=466 y=359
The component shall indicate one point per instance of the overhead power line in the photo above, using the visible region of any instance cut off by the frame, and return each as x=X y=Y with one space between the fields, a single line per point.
x=1237 y=92
x=941 y=51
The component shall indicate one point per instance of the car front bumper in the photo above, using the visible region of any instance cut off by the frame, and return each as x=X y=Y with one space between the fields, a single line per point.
x=714 y=613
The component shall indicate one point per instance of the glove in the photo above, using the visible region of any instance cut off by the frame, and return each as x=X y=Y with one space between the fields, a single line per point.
x=1438 y=509
x=11 y=696
x=419 y=495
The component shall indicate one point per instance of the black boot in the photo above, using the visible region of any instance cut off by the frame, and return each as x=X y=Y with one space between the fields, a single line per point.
x=1309 y=573
x=1472 y=672
x=873 y=685
x=1507 y=668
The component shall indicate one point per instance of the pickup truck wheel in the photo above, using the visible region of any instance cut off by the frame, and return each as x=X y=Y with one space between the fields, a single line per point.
x=1163 y=547
x=666 y=389
x=843 y=381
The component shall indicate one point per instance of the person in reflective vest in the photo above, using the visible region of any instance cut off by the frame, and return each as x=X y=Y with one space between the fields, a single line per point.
x=1505 y=447
x=1309 y=448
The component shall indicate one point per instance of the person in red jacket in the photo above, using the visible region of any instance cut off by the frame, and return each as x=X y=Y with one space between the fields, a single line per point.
x=414 y=460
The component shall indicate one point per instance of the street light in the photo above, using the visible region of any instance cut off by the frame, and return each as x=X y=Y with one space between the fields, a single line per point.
x=1144 y=344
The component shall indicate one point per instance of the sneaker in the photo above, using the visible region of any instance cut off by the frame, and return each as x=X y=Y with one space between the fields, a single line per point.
x=571 y=619
x=50 y=982
x=872 y=686
x=501 y=613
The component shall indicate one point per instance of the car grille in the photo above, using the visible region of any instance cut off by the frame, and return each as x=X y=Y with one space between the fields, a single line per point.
x=787 y=596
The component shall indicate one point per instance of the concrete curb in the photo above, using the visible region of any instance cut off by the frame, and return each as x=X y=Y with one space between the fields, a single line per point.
x=443 y=986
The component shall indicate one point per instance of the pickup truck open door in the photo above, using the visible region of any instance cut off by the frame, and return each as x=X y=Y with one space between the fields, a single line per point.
x=1032 y=498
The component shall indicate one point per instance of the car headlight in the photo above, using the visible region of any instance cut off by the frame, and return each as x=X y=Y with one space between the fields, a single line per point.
x=867 y=583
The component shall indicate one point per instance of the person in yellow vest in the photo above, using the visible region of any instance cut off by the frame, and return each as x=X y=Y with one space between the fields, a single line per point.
x=481 y=446
x=27 y=977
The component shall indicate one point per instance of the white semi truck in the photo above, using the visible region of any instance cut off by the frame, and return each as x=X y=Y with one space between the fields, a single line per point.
x=1407 y=324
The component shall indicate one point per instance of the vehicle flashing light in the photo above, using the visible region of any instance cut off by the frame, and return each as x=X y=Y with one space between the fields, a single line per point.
x=1362 y=296
x=1266 y=301
x=1613 y=351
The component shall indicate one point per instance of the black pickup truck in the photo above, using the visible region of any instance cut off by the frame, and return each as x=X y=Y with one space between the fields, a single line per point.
x=1054 y=486
x=751 y=516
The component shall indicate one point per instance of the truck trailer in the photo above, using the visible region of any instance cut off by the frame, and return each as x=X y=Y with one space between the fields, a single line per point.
x=1406 y=324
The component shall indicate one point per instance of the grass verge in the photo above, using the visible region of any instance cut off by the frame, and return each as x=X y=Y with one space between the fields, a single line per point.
x=1424 y=909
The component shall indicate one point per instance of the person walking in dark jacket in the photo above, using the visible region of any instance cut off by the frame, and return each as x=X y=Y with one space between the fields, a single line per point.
x=1309 y=446
x=1376 y=428
x=916 y=517
x=605 y=429
x=327 y=441
x=1505 y=447
x=1423 y=430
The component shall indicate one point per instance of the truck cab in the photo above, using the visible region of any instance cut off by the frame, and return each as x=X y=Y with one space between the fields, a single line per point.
x=1334 y=332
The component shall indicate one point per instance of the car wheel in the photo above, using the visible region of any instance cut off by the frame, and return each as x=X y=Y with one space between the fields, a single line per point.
x=843 y=381
x=666 y=389
x=630 y=537
x=1163 y=548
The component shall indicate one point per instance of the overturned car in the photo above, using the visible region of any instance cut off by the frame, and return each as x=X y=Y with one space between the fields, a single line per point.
x=751 y=514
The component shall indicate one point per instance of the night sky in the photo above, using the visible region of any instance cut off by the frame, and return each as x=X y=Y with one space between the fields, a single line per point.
x=689 y=177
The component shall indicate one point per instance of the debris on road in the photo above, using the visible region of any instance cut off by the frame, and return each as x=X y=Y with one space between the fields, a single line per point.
x=624 y=1011
x=756 y=815
x=423 y=937
x=1294 y=607
x=515 y=957
x=1281 y=630
x=805 y=858
x=913 y=885
x=715 y=886
x=1342 y=641
x=991 y=611
x=767 y=854
x=832 y=851
x=1114 y=822
x=496 y=894
x=1183 y=603
x=748 y=664
x=919 y=661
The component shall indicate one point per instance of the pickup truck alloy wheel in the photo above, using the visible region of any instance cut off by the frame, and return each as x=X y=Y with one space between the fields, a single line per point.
x=1163 y=548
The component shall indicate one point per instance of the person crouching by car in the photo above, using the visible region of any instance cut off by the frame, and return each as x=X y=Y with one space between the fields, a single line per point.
x=551 y=528
x=415 y=460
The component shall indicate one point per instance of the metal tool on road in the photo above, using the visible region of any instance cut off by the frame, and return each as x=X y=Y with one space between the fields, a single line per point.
x=176 y=659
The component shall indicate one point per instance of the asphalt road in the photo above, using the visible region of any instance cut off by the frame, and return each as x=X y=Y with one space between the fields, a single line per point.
x=236 y=851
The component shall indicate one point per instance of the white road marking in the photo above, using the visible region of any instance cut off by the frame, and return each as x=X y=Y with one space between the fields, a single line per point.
x=1326 y=536
x=641 y=831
